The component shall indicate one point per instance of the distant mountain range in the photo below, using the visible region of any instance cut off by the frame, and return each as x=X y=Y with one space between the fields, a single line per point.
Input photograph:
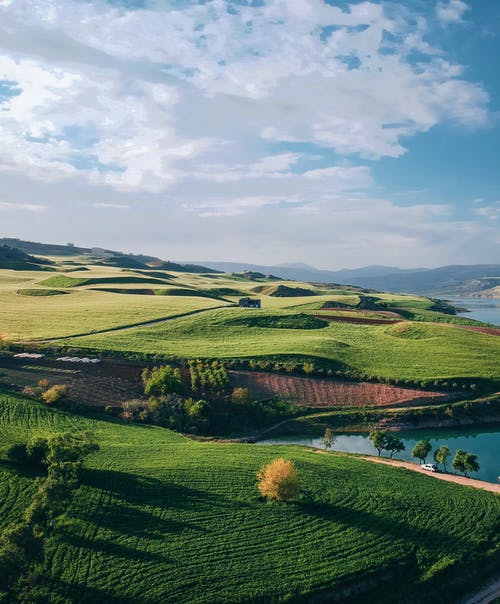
x=454 y=280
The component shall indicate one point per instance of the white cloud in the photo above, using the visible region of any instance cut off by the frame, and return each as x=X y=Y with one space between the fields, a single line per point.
x=21 y=207
x=132 y=97
x=491 y=212
x=115 y=206
x=451 y=12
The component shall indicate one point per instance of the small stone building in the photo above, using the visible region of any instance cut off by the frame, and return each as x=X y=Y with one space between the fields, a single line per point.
x=249 y=303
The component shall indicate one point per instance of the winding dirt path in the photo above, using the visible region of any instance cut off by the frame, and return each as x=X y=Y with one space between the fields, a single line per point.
x=469 y=482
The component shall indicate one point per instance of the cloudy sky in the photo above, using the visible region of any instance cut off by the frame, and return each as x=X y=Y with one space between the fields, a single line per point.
x=333 y=133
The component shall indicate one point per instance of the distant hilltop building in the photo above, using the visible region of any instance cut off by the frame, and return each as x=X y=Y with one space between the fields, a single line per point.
x=249 y=303
x=99 y=252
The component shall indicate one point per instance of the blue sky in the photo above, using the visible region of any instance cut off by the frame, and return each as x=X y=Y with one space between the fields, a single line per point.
x=337 y=134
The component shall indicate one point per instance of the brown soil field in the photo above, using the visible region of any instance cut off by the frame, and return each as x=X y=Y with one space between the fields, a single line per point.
x=492 y=331
x=94 y=385
x=385 y=313
x=358 y=320
x=330 y=393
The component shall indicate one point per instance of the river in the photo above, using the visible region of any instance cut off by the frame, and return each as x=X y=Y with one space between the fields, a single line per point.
x=483 y=442
x=481 y=309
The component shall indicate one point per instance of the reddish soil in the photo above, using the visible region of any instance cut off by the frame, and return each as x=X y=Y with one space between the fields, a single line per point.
x=330 y=393
x=385 y=313
x=492 y=331
x=358 y=320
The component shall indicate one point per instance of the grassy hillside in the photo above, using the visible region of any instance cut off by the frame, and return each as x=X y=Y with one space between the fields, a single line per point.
x=159 y=518
x=403 y=350
x=353 y=330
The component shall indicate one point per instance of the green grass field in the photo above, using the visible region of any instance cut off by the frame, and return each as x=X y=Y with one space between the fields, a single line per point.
x=404 y=350
x=160 y=518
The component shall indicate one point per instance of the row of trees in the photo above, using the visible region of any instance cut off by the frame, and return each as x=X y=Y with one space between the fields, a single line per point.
x=462 y=462
x=60 y=457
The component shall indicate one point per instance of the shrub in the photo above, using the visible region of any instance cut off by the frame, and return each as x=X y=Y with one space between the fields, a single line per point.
x=240 y=395
x=279 y=480
x=55 y=394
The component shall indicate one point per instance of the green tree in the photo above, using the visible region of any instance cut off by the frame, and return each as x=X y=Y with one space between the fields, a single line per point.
x=441 y=456
x=465 y=462
x=328 y=439
x=421 y=450
x=160 y=381
x=394 y=444
x=379 y=440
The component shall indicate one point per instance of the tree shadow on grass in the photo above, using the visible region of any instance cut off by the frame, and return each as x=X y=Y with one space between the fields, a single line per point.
x=384 y=525
x=111 y=548
x=87 y=594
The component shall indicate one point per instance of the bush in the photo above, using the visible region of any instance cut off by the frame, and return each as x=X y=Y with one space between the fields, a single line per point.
x=279 y=480
x=160 y=381
x=240 y=395
x=55 y=394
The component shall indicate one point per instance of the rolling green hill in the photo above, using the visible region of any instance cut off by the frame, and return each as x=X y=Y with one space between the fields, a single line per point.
x=160 y=518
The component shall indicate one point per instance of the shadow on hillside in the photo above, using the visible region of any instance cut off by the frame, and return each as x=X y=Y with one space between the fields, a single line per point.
x=140 y=504
x=21 y=469
x=85 y=594
x=375 y=524
x=112 y=548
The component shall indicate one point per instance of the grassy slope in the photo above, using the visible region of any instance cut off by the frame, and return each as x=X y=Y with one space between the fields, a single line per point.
x=417 y=351
x=29 y=317
x=420 y=351
x=159 y=518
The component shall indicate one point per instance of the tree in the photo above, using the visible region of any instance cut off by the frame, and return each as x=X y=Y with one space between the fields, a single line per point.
x=379 y=440
x=394 y=444
x=465 y=462
x=328 y=438
x=421 y=450
x=279 y=480
x=441 y=456
x=160 y=381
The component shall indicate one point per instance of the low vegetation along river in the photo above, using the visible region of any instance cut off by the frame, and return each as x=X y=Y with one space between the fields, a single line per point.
x=485 y=443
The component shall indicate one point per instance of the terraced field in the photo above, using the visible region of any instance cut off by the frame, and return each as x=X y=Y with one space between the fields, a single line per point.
x=160 y=518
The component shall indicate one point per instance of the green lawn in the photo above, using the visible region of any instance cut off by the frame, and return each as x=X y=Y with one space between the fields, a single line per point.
x=160 y=518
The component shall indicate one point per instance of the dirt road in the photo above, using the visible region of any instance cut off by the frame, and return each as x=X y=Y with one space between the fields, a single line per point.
x=470 y=482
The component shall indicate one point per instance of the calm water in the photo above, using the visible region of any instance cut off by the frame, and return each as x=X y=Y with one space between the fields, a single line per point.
x=485 y=443
x=481 y=309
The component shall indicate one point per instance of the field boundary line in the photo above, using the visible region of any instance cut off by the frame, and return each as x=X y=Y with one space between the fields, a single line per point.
x=123 y=327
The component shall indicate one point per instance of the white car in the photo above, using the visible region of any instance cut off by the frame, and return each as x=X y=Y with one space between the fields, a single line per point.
x=430 y=467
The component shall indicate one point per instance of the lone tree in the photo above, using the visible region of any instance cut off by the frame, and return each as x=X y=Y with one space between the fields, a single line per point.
x=465 y=462
x=279 y=480
x=328 y=439
x=393 y=444
x=421 y=450
x=441 y=456
x=379 y=440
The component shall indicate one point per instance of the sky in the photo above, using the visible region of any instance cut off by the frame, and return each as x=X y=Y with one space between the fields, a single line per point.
x=337 y=134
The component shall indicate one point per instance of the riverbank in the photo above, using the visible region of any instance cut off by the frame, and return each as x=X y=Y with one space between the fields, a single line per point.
x=463 y=480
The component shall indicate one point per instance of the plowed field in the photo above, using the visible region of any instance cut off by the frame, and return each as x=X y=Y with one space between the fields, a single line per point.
x=329 y=393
